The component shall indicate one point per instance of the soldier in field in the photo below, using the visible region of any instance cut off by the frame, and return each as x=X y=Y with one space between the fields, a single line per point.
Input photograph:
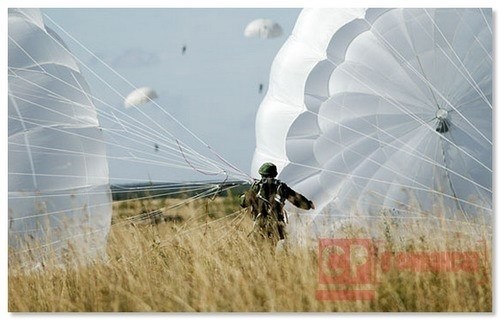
x=266 y=200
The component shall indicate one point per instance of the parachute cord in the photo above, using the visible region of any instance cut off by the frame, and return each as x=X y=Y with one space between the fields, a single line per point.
x=457 y=200
x=219 y=189
x=254 y=224
x=134 y=87
x=229 y=164
x=196 y=169
x=153 y=102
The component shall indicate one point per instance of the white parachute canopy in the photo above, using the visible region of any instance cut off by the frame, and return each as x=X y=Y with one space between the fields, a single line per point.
x=383 y=112
x=263 y=28
x=59 y=196
x=140 y=96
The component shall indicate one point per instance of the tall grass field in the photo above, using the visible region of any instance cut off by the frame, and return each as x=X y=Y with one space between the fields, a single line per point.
x=200 y=258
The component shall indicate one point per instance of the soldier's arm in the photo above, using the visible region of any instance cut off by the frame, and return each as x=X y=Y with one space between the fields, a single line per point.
x=249 y=197
x=297 y=199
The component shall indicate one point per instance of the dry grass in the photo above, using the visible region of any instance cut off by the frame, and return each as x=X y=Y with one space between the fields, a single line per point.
x=208 y=263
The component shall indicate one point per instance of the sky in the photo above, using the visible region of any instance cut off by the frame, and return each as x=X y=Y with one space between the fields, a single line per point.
x=212 y=89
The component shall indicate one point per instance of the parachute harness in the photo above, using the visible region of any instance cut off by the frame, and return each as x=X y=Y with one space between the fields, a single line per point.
x=269 y=210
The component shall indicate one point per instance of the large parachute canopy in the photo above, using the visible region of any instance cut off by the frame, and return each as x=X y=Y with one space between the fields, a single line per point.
x=139 y=97
x=263 y=28
x=59 y=197
x=383 y=112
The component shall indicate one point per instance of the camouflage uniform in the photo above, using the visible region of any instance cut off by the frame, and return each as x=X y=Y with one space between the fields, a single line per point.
x=266 y=198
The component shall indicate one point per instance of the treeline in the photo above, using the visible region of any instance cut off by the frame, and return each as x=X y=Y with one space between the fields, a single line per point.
x=176 y=190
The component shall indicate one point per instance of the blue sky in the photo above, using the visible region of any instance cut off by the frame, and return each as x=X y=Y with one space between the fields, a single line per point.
x=213 y=89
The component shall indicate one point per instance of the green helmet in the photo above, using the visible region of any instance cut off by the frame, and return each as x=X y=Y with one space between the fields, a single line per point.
x=268 y=170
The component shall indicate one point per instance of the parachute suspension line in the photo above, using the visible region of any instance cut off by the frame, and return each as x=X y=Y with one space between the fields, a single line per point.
x=129 y=83
x=194 y=218
x=401 y=57
x=173 y=190
x=227 y=232
x=389 y=144
x=202 y=225
x=422 y=156
x=473 y=34
x=369 y=159
x=459 y=205
x=139 y=160
x=90 y=206
x=471 y=81
x=26 y=143
x=485 y=20
x=139 y=142
x=248 y=177
x=427 y=82
x=196 y=169
x=183 y=232
x=103 y=114
x=97 y=140
x=465 y=103
x=219 y=188
x=79 y=89
x=393 y=102
x=206 y=193
x=442 y=126
x=416 y=209
x=474 y=84
x=112 y=88
x=385 y=182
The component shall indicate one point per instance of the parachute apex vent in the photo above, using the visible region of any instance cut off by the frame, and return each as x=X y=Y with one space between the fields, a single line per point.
x=443 y=124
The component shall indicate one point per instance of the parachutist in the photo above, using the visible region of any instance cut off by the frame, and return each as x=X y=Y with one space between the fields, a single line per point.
x=140 y=96
x=157 y=148
x=263 y=28
x=184 y=48
x=266 y=199
x=261 y=87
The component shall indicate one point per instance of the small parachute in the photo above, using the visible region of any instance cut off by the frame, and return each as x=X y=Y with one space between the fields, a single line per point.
x=263 y=28
x=140 y=96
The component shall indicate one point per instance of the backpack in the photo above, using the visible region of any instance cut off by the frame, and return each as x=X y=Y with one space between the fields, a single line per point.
x=270 y=198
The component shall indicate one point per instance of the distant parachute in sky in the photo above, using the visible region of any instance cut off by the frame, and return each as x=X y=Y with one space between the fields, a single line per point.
x=59 y=196
x=140 y=96
x=383 y=112
x=263 y=28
